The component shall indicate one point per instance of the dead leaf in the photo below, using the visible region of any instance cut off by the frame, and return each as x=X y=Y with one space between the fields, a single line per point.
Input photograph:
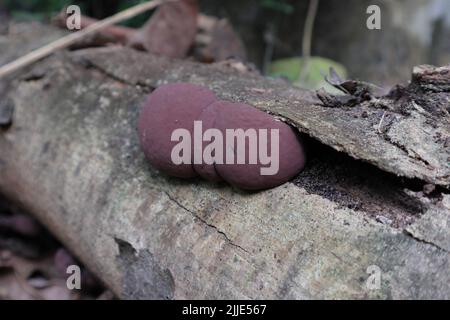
x=20 y=223
x=217 y=41
x=170 y=31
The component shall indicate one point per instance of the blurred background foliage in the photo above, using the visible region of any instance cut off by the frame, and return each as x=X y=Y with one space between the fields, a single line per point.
x=413 y=32
x=43 y=10
x=25 y=10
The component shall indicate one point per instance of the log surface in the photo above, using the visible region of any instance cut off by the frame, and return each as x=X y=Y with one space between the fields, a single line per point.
x=71 y=156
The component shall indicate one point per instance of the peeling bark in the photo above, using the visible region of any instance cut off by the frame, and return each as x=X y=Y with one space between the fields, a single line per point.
x=409 y=142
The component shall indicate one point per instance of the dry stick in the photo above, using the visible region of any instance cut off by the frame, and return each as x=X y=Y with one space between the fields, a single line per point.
x=118 y=34
x=70 y=39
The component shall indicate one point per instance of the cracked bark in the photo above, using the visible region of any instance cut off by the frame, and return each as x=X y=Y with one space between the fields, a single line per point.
x=71 y=156
x=209 y=225
x=412 y=235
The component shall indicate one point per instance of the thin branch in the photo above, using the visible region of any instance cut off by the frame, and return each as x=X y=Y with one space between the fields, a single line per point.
x=119 y=34
x=70 y=39
x=307 y=37
x=308 y=29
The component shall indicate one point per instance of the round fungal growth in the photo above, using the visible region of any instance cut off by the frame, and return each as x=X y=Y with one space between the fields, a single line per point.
x=268 y=163
x=184 y=131
x=168 y=108
x=208 y=118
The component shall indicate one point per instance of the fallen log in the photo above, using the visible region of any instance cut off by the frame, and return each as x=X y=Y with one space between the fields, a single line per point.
x=70 y=155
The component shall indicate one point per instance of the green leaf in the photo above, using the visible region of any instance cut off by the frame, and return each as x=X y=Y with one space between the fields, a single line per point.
x=308 y=75
x=24 y=16
x=278 y=5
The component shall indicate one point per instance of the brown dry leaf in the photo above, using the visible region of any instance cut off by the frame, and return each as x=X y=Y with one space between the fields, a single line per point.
x=109 y=35
x=170 y=31
x=217 y=41
x=33 y=265
x=58 y=291
x=12 y=287
x=38 y=281
x=31 y=279
x=20 y=223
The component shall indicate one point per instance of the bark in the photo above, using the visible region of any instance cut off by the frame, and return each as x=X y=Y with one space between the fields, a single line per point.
x=71 y=156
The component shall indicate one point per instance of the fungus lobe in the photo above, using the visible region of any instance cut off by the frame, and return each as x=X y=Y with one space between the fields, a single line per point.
x=279 y=151
x=208 y=119
x=170 y=107
x=290 y=158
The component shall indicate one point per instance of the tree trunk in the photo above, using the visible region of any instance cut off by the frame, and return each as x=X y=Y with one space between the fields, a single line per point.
x=71 y=156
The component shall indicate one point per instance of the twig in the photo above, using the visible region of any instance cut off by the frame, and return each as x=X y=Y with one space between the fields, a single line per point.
x=269 y=37
x=309 y=25
x=120 y=34
x=307 y=36
x=70 y=39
